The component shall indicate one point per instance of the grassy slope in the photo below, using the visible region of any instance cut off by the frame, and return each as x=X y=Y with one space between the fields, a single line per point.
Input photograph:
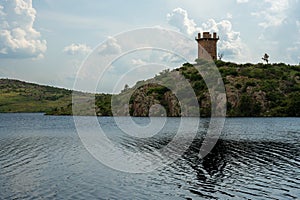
x=19 y=96
x=252 y=90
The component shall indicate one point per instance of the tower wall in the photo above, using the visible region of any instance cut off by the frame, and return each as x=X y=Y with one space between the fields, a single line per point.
x=207 y=43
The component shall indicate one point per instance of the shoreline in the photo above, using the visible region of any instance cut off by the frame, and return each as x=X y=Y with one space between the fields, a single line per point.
x=205 y=117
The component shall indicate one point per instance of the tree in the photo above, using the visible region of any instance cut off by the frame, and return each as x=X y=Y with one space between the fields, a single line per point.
x=248 y=107
x=293 y=104
x=266 y=58
x=220 y=55
x=126 y=87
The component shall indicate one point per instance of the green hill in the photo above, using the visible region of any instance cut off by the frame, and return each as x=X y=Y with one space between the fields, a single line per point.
x=19 y=96
x=252 y=90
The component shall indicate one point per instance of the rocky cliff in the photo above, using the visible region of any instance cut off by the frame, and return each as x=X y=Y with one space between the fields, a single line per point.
x=256 y=90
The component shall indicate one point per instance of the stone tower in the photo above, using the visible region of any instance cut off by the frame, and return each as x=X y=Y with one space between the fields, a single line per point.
x=209 y=44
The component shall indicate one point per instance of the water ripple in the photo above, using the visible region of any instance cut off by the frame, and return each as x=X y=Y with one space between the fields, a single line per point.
x=52 y=163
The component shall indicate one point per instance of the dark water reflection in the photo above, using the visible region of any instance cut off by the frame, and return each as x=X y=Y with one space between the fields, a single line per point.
x=250 y=170
x=42 y=158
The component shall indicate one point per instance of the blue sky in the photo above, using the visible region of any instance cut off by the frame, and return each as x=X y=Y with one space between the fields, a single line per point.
x=45 y=41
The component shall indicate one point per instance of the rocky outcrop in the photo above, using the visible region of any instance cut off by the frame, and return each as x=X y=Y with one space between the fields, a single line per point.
x=251 y=90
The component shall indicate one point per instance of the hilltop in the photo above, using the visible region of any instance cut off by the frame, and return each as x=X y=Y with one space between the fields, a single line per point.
x=255 y=90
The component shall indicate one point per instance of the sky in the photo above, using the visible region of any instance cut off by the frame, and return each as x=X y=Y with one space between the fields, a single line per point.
x=46 y=41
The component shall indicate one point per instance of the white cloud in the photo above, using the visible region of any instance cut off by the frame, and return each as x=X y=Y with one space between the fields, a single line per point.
x=298 y=24
x=77 y=49
x=229 y=16
x=273 y=12
x=277 y=19
x=170 y=58
x=110 y=47
x=230 y=42
x=242 y=1
x=138 y=62
x=18 y=38
x=293 y=52
x=180 y=19
x=1 y=11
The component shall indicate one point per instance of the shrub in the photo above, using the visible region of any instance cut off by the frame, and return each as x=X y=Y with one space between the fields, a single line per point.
x=199 y=85
x=238 y=86
x=220 y=63
x=248 y=107
x=228 y=71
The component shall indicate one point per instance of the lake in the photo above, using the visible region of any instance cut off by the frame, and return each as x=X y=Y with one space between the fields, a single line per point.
x=42 y=157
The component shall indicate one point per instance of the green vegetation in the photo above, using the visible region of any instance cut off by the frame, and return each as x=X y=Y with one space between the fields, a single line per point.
x=19 y=96
x=257 y=90
x=252 y=90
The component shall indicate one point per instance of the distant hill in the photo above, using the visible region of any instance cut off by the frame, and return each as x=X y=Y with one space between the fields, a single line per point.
x=20 y=96
x=255 y=90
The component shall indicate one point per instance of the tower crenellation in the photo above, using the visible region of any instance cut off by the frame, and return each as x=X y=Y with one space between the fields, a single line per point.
x=208 y=43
